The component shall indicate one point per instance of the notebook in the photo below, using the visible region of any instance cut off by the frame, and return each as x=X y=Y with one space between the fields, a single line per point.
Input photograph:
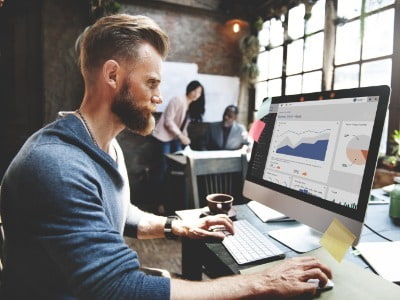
x=383 y=257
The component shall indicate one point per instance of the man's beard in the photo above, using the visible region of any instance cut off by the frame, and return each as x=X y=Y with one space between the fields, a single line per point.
x=137 y=119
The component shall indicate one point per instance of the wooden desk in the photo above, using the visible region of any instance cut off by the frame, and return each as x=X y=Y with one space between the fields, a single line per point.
x=216 y=261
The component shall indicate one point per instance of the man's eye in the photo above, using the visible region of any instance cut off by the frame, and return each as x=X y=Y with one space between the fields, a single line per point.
x=153 y=85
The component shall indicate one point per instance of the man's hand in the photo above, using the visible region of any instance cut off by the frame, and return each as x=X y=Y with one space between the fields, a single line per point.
x=290 y=278
x=283 y=281
x=203 y=227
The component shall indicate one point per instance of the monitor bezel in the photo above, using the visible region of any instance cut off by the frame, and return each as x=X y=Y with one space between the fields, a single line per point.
x=358 y=215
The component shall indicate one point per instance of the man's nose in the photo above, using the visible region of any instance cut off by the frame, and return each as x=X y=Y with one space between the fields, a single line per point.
x=156 y=99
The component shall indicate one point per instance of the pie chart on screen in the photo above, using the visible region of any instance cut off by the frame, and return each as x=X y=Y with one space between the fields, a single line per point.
x=357 y=149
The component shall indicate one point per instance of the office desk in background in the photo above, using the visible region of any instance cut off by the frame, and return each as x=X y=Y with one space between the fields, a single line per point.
x=213 y=258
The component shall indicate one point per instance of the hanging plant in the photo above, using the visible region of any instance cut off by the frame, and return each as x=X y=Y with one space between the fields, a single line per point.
x=250 y=47
x=102 y=8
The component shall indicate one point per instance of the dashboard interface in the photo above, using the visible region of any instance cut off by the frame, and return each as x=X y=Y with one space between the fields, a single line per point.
x=317 y=147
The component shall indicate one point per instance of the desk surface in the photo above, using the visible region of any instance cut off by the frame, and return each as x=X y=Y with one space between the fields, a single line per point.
x=218 y=262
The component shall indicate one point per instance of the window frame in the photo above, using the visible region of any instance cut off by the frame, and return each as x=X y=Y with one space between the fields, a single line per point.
x=328 y=65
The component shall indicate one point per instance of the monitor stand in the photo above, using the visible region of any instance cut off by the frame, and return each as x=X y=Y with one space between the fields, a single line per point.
x=300 y=238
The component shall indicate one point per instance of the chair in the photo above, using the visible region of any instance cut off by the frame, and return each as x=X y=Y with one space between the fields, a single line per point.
x=215 y=175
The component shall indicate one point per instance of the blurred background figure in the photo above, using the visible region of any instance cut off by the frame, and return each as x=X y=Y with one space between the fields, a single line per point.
x=170 y=134
x=226 y=134
x=1 y=3
x=197 y=108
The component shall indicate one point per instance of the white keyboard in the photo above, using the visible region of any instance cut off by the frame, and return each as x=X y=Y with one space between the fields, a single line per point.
x=248 y=244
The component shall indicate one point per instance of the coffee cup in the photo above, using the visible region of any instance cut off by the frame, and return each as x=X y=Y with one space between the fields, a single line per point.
x=219 y=203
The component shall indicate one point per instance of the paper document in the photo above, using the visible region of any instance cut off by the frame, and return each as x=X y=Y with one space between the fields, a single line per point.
x=379 y=196
x=383 y=257
x=210 y=153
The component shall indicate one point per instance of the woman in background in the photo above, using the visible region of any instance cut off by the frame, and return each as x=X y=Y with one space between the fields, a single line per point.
x=170 y=133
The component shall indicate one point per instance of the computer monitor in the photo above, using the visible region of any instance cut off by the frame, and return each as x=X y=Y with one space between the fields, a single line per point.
x=315 y=159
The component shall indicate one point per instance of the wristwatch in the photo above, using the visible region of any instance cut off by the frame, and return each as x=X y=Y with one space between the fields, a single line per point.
x=168 y=227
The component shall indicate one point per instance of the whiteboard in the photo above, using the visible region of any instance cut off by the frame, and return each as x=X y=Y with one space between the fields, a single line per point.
x=220 y=91
x=175 y=77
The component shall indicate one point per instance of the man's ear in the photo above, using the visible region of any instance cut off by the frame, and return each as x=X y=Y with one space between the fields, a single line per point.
x=111 y=75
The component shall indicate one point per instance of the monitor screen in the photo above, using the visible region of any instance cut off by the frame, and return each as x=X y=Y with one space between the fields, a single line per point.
x=315 y=158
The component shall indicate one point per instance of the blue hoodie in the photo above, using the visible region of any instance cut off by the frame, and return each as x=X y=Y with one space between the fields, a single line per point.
x=63 y=213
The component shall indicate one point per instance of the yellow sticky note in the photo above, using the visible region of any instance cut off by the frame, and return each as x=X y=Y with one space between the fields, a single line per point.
x=337 y=239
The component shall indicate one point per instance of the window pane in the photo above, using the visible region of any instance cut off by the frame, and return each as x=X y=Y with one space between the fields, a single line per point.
x=261 y=92
x=376 y=72
x=349 y=9
x=274 y=87
x=262 y=63
x=294 y=62
x=317 y=20
x=373 y=4
x=348 y=43
x=293 y=85
x=275 y=62
x=276 y=33
x=346 y=77
x=312 y=82
x=378 y=37
x=313 y=52
x=296 y=21
x=263 y=35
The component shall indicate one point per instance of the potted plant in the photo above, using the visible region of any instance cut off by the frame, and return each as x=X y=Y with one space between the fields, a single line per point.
x=392 y=162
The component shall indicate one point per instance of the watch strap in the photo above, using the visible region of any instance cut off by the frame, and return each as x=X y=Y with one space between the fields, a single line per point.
x=168 y=227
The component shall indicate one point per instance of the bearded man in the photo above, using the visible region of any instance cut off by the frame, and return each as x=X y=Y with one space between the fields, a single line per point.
x=65 y=197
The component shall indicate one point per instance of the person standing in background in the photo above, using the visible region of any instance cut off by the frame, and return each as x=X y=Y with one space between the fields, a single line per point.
x=227 y=134
x=197 y=109
x=170 y=133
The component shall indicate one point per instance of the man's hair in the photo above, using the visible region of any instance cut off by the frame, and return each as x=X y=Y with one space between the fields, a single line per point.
x=231 y=108
x=118 y=37
x=196 y=108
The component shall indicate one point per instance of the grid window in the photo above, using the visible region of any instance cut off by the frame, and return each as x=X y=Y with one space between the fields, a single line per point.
x=359 y=53
x=313 y=52
x=262 y=63
x=274 y=87
x=371 y=5
x=376 y=72
x=276 y=33
x=296 y=22
x=261 y=92
x=275 y=62
x=293 y=85
x=317 y=19
x=349 y=9
x=312 y=82
x=263 y=35
x=347 y=77
x=294 y=63
x=378 y=34
x=348 y=43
